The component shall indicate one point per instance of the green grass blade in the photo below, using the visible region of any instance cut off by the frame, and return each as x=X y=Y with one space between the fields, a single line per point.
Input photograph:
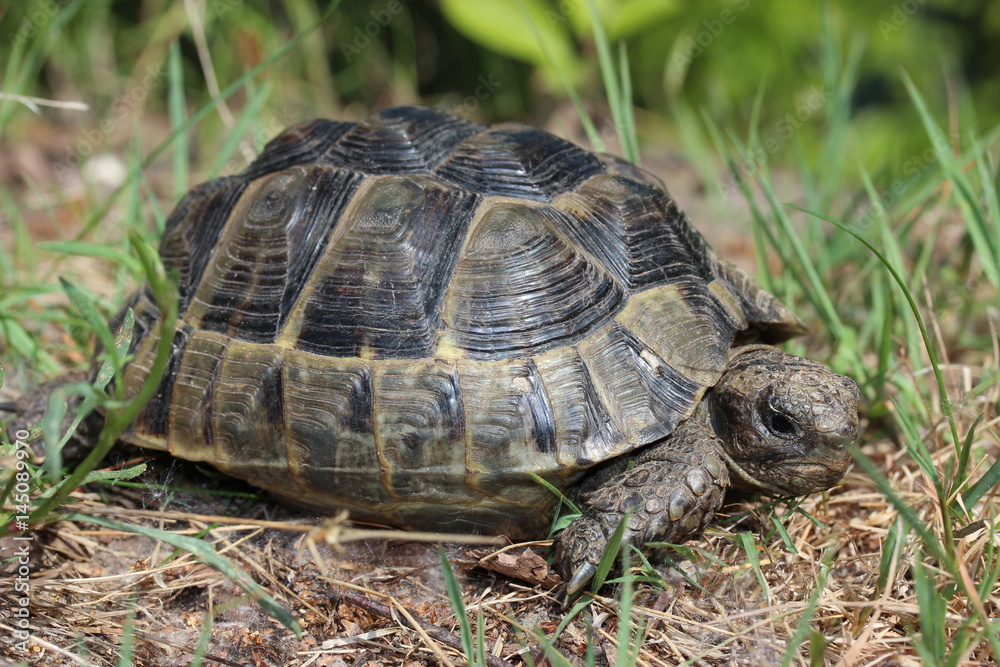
x=27 y=62
x=233 y=139
x=892 y=550
x=924 y=334
x=176 y=106
x=962 y=468
x=916 y=446
x=799 y=260
x=750 y=548
x=120 y=416
x=628 y=131
x=204 y=637
x=817 y=649
x=987 y=174
x=908 y=514
x=626 y=656
x=932 y=640
x=588 y=124
x=90 y=313
x=26 y=346
x=98 y=250
x=785 y=537
x=480 y=637
x=610 y=554
x=984 y=240
x=556 y=492
x=612 y=85
x=128 y=638
x=457 y=605
x=548 y=643
x=803 y=628
x=988 y=481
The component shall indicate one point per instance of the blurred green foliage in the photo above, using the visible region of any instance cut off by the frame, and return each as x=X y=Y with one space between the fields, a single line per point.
x=484 y=58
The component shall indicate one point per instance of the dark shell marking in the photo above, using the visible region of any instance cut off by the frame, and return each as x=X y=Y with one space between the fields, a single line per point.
x=406 y=316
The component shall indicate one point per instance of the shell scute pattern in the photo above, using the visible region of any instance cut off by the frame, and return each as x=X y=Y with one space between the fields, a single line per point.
x=635 y=230
x=418 y=417
x=261 y=265
x=648 y=396
x=248 y=406
x=412 y=313
x=511 y=431
x=194 y=394
x=584 y=431
x=193 y=229
x=401 y=140
x=377 y=292
x=154 y=420
x=303 y=144
x=522 y=287
x=330 y=401
x=518 y=161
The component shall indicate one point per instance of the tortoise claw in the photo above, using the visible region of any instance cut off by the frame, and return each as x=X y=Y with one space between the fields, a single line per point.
x=577 y=584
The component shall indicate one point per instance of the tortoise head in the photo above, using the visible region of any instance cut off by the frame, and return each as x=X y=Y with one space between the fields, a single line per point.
x=785 y=422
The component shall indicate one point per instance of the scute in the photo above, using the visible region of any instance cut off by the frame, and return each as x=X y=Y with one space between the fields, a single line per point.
x=520 y=287
x=686 y=326
x=419 y=416
x=402 y=140
x=191 y=406
x=248 y=416
x=276 y=233
x=303 y=144
x=377 y=291
x=636 y=230
x=331 y=401
x=645 y=396
x=408 y=315
x=193 y=230
x=768 y=320
x=518 y=161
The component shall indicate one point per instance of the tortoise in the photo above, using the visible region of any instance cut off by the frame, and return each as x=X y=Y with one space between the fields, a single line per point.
x=407 y=316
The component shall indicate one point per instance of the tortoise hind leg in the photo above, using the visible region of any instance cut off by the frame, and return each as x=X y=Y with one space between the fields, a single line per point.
x=672 y=489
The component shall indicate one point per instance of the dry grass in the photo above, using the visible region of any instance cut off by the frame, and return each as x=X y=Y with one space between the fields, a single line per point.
x=93 y=586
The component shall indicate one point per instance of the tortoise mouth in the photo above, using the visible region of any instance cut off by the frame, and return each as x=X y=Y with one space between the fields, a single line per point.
x=800 y=479
x=791 y=478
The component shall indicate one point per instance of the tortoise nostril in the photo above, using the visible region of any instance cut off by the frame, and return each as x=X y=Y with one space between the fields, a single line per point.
x=844 y=435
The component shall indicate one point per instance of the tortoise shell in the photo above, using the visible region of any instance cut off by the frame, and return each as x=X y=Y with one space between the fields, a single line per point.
x=406 y=316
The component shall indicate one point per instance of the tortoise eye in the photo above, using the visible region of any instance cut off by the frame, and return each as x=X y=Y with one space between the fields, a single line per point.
x=779 y=423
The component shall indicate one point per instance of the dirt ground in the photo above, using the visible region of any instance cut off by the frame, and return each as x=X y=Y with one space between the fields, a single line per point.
x=91 y=586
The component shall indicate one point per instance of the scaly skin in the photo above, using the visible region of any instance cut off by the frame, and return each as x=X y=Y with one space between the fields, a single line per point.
x=774 y=422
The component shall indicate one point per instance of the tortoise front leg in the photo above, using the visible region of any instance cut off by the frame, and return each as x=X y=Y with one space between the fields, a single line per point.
x=673 y=489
